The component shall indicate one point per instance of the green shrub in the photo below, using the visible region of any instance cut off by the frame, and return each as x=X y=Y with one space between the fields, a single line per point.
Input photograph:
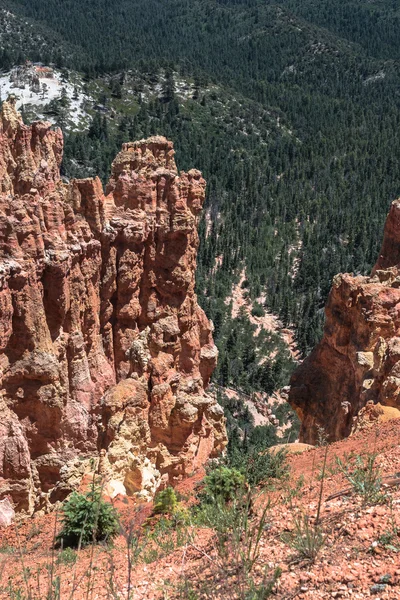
x=222 y=484
x=165 y=502
x=238 y=533
x=259 y=466
x=15 y=593
x=257 y=310
x=87 y=518
x=67 y=557
x=365 y=477
x=263 y=437
x=307 y=538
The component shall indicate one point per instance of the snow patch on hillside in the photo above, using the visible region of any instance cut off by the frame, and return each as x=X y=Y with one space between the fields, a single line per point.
x=36 y=86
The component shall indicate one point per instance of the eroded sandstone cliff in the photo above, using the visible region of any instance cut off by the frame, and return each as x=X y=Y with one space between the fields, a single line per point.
x=358 y=359
x=105 y=354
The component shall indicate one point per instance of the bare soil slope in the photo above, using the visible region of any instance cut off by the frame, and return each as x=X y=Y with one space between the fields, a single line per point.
x=360 y=559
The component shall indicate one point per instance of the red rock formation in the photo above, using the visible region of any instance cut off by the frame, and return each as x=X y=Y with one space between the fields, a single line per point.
x=358 y=359
x=104 y=351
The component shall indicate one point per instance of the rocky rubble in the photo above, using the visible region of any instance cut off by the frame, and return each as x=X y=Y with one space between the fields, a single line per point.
x=105 y=355
x=358 y=359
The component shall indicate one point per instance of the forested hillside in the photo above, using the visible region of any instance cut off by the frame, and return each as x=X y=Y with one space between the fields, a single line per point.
x=291 y=109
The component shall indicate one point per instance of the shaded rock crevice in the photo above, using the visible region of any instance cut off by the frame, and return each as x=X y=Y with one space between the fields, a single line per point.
x=357 y=363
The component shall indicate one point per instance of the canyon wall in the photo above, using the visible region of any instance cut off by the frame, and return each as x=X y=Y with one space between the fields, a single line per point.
x=358 y=359
x=105 y=354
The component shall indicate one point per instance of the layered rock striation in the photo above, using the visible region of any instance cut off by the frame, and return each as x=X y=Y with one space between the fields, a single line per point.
x=105 y=354
x=358 y=360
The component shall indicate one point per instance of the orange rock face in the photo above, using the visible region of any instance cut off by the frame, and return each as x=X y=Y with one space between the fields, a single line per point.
x=358 y=359
x=104 y=351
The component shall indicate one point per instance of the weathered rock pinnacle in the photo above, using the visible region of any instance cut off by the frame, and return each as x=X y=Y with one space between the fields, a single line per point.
x=104 y=352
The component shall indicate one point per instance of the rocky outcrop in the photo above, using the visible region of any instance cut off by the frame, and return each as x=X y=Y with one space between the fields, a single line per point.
x=358 y=359
x=372 y=414
x=293 y=448
x=105 y=354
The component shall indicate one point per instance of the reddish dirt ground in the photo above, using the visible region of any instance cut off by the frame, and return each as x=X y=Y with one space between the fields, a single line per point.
x=360 y=559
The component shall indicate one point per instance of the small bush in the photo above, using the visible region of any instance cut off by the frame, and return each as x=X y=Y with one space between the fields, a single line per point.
x=257 y=310
x=365 y=477
x=67 y=557
x=166 y=537
x=389 y=538
x=165 y=502
x=222 y=484
x=259 y=466
x=295 y=491
x=238 y=531
x=307 y=538
x=15 y=593
x=87 y=518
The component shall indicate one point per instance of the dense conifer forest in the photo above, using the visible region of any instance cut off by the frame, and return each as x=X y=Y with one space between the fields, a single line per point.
x=292 y=112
